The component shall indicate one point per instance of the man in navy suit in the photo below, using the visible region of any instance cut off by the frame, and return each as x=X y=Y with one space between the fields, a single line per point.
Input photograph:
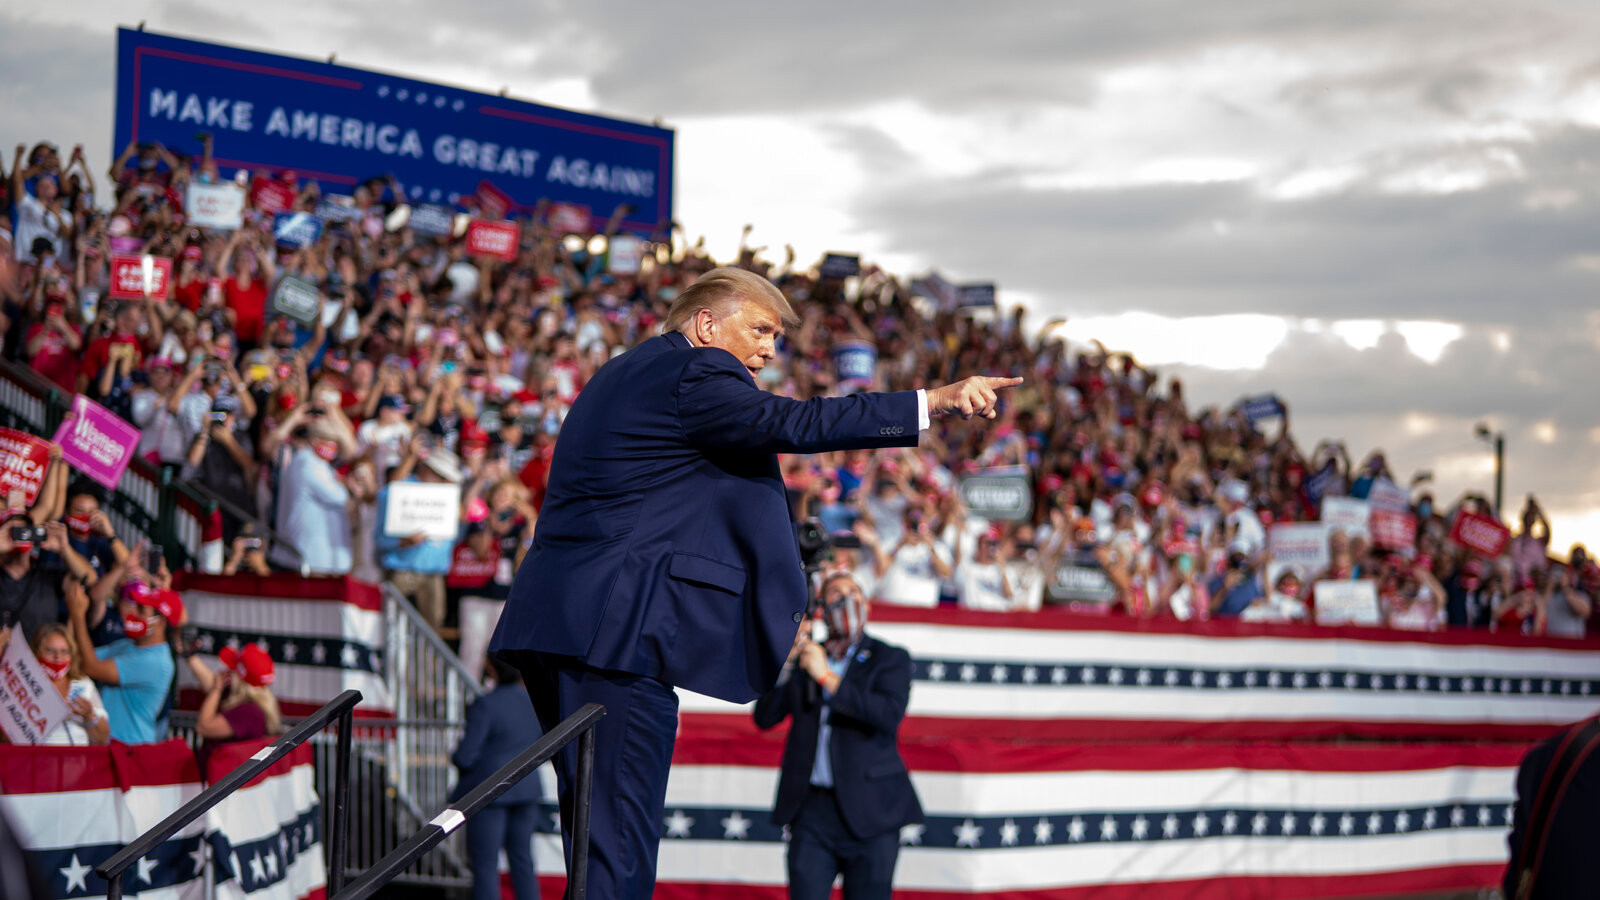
x=496 y=730
x=844 y=791
x=665 y=554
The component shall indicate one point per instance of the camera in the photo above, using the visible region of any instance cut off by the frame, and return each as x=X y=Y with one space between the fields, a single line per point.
x=250 y=543
x=815 y=542
x=27 y=534
x=217 y=418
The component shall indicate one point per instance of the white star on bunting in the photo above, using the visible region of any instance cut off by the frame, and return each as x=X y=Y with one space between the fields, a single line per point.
x=1319 y=824
x=936 y=671
x=146 y=867
x=1258 y=825
x=998 y=673
x=1043 y=831
x=1058 y=675
x=911 y=835
x=1141 y=828
x=1230 y=823
x=1169 y=826
x=1402 y=820
x=1076 y=830
x=1008 y=833
x=968 y=833
x=77 y=875
x=1108 y=829
x=1347 y=824
x=1201 y=824
x=678 y=824
x=735 y=827
x=969 y=672
x=1030 y=674
x=1286 y=825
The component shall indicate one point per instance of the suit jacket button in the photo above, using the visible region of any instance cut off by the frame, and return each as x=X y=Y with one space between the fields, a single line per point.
x=797 y=618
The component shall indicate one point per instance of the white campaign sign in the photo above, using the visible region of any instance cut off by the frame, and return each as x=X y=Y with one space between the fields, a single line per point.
x=215 y=205
x=433 y=510
x=30 y=705
x=1347 y=514
x=1348 y=602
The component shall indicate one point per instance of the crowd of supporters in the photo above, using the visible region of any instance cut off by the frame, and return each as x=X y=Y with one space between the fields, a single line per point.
x=425 y=364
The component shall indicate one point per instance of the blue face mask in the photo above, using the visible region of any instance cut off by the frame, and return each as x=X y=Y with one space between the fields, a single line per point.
x=1424 y=510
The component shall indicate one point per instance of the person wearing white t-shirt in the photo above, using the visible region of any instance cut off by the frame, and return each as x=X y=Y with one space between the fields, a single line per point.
x=1242 y=527
x=981 y=578
x=37 y=216
x=387 y=434
x=916 y=564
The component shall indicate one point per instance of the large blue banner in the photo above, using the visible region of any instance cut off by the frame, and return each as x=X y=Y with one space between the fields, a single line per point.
x=341 y=125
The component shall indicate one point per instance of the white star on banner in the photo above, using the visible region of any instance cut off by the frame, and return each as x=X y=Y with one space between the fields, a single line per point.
x=272 y=864
x=1299 y=681
x=969 y=672
x=1430 y=818
x=1030 y=674
x=422 y=97
x=1424 y=682
x=1583 y=688
x=967 y=833
x=1286 y=825
x=1058 y=675
x=1325 y=680
x=1350 y=681
x=266 y=645
x=1274 y=678
x=435 y=194
x=735 y=826
x=258 y=872
x=911 y=835
x=935 y=669
x=291 y=650
x=1545 y=686
x=1258 y=824
x=1108 y=829
x=383 y=90
x=1008 y=833
x=1076 y=830
x=311 y=834
x=1088 y=674
x=319 y=653
x=1527 y=686
x=1566 y=687
x=1509 y=812
x=1230 y=822
x=1505 y=685
x=998 y=673
x=347 y=655
x=1457 y=816
x=1347 y=824
x=77 y=875
x=440 y=101
x=1115 y=675
x=1171 y=678
x=1250 y=679
x=198 y=857
x=1400 y=682
x=402 y=94
x=1402 y=820
x=678 y=824
x=1169 y=826
x=1044 y=831
x=1142 y=677
x=1319 y=824
x=1224 y=680
x=1141 y=828
x=1201 y=824
x=1468 y=685
x=1484 y=815
x=236 y=869
x=416 y=192
x=1197 y=678
x=146 y=866
x=283 y=848
x=207 y=642
x=1374 y=823
x=233 y=642
x=457 y=106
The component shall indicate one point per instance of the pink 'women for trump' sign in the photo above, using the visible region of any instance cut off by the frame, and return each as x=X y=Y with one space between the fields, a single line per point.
x=96 y=442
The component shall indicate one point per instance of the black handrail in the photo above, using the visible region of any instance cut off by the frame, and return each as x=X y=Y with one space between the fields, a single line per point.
x=341 y=708
x=579 y=725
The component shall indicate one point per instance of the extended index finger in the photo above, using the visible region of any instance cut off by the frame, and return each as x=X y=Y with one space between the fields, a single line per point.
x=996 y=381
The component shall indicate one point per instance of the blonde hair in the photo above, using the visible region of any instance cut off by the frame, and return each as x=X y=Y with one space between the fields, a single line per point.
x=244 y=692
x=51 y=628
x=717 y=289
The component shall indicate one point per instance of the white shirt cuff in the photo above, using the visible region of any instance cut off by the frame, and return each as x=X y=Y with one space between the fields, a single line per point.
x=923 y=421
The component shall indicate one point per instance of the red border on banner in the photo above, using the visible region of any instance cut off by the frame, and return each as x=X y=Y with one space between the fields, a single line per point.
x=285 y=586
x=46 y=770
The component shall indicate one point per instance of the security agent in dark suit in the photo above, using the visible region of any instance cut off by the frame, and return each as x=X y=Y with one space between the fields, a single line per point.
x=498 y=727
x=844 y=791
x=665 y=554
x=1558 y=799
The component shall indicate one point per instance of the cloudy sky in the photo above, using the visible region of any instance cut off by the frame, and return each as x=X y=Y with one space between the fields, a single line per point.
x=1387 y=212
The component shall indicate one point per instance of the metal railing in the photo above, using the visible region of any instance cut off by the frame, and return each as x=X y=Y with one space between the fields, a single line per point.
x=580 y=726
x=340 y=709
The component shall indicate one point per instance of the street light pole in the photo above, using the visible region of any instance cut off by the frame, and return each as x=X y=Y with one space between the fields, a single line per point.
x=1498 y=440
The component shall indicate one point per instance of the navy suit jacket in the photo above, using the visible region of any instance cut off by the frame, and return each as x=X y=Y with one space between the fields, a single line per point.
x=870 y=781
x=499 y=726
x=1567 y=869
x=665 y=546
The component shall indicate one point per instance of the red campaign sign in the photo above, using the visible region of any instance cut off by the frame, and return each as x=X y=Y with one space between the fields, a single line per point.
x=1393 y=530
x=23 y=461
x=271 y=195
x=569 y=218
x=1482 y=535
x=127 y=277
x=501 y=240
x=493 y=203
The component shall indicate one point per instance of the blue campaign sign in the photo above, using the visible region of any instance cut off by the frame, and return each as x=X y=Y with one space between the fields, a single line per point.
x=341 y=126
x=296 y=229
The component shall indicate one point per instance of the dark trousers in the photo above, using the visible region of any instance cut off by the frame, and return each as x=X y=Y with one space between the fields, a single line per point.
x=821 y=848
x=632 y=755
x=511 y=828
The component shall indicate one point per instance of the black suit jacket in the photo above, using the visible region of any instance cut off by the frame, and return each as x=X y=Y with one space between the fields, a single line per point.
x=870 y=780
x=1568 y=868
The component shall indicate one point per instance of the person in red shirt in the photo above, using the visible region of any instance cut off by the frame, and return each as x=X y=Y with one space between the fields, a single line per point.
x=53 y=347
x=192 y=282
x=123 y=341
x=246 y=270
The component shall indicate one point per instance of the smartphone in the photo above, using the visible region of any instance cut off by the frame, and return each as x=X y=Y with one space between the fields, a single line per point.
x=152 y=559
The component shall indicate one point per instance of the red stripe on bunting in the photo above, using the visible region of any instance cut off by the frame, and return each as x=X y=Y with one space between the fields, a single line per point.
x=285 y=586
x=1003 y=755
x=1061 y=620
x=1443 y=878
x=47 y=770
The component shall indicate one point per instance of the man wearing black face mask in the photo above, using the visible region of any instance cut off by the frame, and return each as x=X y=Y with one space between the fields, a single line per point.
x=844 y=791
